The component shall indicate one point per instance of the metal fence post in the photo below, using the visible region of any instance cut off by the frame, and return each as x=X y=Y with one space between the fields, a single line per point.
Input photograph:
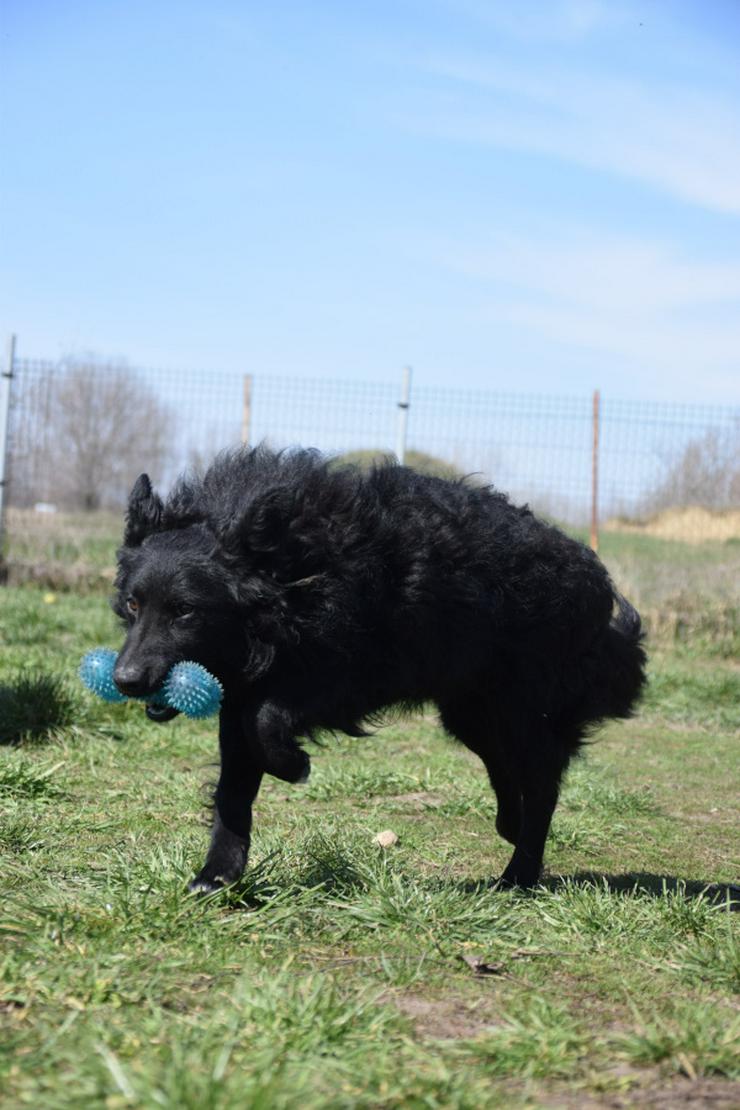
x=595 y=475
x=5 y=384
x=403 y=414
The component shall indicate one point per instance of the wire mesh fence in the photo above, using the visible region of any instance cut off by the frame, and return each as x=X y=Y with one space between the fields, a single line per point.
x=80 y=431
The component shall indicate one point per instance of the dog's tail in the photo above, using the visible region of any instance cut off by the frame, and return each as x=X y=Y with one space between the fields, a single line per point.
x=623 y=659
x=627 y=621
x=611 y=673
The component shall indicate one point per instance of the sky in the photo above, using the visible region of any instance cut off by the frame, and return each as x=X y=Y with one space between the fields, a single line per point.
x=530 y=197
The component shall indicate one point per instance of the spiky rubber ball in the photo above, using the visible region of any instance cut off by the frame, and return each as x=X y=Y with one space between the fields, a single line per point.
x=189 y=688
x=96 y=671
x=192 y=690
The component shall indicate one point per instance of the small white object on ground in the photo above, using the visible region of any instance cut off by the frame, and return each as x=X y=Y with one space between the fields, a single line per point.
x=386 y=839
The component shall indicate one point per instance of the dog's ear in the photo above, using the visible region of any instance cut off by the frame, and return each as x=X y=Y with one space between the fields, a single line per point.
x=268 y=522
x=272 y=534
x=144 y=514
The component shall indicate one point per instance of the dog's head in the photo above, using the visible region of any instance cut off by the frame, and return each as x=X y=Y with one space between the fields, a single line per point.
x=169 y=590
x=181 y=597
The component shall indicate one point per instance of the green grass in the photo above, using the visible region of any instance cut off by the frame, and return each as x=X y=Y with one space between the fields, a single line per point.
x=335 y=975
x=34 y=707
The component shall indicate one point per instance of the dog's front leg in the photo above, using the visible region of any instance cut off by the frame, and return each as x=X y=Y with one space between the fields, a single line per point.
x=282 y=755
x=242 y=768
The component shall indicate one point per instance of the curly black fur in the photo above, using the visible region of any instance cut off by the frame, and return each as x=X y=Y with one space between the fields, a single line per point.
x=321 y=596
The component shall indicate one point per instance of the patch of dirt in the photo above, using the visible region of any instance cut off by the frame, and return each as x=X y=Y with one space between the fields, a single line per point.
x=453 y=1019
x=719 y=1094
x=417 y=800
x=713 y=817
x=444 y=1018
x=693 y=524
x=671 y=1093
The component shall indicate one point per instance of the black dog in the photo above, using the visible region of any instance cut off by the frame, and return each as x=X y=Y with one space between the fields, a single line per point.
x=321 y=595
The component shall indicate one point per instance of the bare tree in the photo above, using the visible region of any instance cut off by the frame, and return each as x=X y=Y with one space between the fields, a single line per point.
x=105 y=426
x=707 y=473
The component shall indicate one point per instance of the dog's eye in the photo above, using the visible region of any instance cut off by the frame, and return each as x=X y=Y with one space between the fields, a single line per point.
x=132 y=605
x=184 y=614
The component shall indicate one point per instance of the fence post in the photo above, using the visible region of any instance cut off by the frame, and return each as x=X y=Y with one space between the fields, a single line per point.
x=5 y=383
x=247 y=410
x=595 y=475
x=403 y=414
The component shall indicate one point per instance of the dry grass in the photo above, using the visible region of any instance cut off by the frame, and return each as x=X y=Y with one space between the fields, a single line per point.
x=691 y=524
x=67 y=551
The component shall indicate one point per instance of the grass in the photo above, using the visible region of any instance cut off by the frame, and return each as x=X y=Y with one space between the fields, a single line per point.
x=34 y=706
x=338 y=973
x=62 y=550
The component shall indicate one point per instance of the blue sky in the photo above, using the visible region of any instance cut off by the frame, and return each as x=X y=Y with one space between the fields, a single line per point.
x=539 y=197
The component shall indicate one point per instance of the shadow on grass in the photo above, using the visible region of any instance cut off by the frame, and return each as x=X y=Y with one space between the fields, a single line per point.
x=264 y=884
x=33 y=708
x=639 y=882
x=652 y=885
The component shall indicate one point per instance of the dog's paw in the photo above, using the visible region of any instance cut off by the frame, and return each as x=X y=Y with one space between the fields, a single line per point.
x=203 y=884
x=210 y=880
x=518 y=878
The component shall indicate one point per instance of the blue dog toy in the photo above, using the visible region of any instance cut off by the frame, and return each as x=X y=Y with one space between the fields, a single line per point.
x=189 y=688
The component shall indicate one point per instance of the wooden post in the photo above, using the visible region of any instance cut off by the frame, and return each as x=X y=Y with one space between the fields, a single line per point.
x=595 y=475
x=403 y=414
x=247 y=410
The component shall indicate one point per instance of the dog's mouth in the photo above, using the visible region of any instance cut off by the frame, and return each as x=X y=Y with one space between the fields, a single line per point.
x=161 y=713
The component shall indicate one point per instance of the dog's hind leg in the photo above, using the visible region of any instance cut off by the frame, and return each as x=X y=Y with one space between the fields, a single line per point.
x=508 y=797
x=471 y=722
x=239 y=781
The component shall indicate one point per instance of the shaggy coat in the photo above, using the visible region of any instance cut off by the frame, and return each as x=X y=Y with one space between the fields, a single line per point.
x=320 y=596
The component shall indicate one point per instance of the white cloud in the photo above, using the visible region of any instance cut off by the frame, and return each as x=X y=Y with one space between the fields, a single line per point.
x=610 y=273
x=672 y=137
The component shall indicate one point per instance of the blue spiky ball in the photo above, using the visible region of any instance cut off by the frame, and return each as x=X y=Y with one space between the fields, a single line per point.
x=96 y=671
x=189 y=687
x=193 y=690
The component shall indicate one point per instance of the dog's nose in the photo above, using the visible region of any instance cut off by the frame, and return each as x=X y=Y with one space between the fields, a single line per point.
x=131 y=681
